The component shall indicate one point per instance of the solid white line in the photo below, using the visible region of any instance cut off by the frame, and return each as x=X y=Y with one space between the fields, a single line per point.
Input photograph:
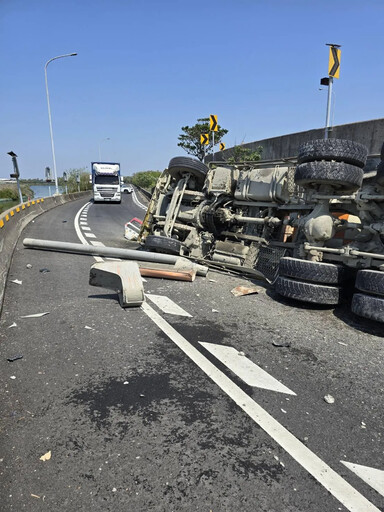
x=371 y=476
x=167 y=305
x=244 y=368
x=90 y=235
x=324 y=474
x=137 y=202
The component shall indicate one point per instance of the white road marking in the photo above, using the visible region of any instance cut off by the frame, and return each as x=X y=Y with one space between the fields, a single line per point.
x=90 y=235
x=84 y=228
x=244 y=368
x=137 y=202
x=371 y=476
x=96 y=243
x=80 y=235
x=83 y=223
x=324 y=474
x=167 y=305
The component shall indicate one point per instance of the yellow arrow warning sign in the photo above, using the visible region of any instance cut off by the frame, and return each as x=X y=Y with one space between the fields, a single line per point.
x=222 y=146
x=204 y=138
x=334 y=62
x=213 y=123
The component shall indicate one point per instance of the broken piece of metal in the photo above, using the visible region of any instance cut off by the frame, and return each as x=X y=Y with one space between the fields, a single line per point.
x=111 y=252
x=123 y=277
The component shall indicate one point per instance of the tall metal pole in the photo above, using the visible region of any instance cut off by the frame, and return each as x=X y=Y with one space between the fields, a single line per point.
x=50 y=117
x=329 y=102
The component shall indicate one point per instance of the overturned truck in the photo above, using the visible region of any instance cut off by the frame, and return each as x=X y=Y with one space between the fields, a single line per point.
x=310 y=225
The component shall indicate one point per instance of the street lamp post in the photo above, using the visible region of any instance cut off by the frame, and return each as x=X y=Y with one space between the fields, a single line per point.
x=49 y=114
x=103 y=140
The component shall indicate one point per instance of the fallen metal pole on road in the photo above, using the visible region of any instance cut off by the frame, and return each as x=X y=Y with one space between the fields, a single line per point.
x=112 y=252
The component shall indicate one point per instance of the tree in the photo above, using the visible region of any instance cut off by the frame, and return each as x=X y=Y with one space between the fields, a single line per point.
x=72 y=184
x=145 y=179
x=190 y=139
x=242 y=154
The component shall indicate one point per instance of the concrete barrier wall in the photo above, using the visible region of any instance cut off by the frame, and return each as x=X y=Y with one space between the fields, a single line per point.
x=14 y=220
x=369 y=133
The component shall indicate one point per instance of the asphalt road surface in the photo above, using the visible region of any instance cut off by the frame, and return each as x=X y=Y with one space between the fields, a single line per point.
x=197 y=401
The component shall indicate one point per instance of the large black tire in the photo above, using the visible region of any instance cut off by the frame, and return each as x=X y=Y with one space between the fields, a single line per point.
x=380 y=174
x=368 y=306
x=163 y=244
x=180 y=165
x=341 y=176
x=307 y=292
x=333 y=149
x=370 y=281
x=327 y=273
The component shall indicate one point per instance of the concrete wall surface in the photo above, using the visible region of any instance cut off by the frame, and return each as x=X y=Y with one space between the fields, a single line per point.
x=369 y=133
x=13 y=221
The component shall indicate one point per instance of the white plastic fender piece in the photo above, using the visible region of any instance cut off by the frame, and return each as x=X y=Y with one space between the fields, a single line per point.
x=122 y=276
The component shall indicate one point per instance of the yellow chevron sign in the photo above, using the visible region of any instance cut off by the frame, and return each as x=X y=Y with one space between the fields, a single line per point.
x=334 y=62
x=222 y=146
x=204 y=138
x=213 y=123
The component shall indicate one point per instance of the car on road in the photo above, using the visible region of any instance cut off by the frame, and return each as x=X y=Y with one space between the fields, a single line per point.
x=126 y=189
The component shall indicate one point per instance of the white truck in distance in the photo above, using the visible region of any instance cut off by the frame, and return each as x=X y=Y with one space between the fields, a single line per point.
x=106 y=182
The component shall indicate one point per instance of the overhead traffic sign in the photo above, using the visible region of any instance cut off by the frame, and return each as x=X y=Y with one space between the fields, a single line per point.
x=204 y=138
x=334 y=62
x=222 y=146
x=213 y=123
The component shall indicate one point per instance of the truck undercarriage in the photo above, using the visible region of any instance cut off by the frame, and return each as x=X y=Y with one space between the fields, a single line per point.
x=308 y=224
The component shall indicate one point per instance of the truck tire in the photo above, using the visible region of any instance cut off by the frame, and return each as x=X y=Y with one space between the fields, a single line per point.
x=382 y=152
x=183 y=164
x=337 y=150
x=305 y=270
x=339 y=175
x=163 y=244
x=368 y=306
x=370 y=281
x=307 y=292
x=380 y=174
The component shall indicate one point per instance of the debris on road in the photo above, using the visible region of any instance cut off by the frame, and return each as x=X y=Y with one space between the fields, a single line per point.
x=35 y=496
x=215 y=311
x=13 y=377
x=89 y=328
x=244 y=290
x=28 y=265
x=123 y=277
x=14 y=358
x=16 y=281
x=13 y=325
x=46 y=456
x=44 y=270
x=329 y=399
x=36 y=315
x=281 y=343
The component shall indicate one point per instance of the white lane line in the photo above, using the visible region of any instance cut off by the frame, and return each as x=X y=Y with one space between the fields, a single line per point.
x=244 y=368
x=137 y=202
x=371 y=476
x=80 y=235
x=167 y=305
x=324 y=474
x=84 y=228
x=90 y=235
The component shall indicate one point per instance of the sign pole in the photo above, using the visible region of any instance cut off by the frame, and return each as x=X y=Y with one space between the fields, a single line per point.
x=213 y=144
x=329 y=102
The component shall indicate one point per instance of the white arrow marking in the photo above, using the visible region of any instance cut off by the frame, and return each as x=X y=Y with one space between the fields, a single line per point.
x=244 y=368
x=371 y=476
x=324 y=474
x=167 y=305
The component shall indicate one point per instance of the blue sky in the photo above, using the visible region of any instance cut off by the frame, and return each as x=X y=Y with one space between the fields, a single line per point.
x=146 y=68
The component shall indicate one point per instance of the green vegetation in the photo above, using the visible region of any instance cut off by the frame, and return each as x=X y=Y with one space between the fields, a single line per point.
x=145 y=179
x=9 y=191
x=72 y=184
x=190 y=139
x=242 y=154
